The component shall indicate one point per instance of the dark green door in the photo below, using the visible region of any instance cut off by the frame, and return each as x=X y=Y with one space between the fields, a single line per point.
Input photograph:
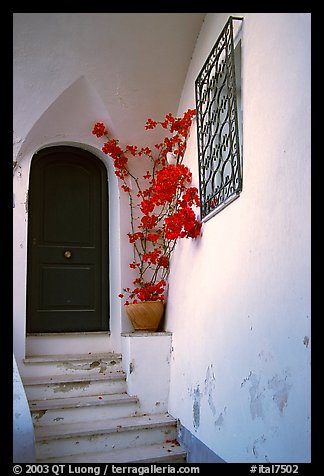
x=67 y=274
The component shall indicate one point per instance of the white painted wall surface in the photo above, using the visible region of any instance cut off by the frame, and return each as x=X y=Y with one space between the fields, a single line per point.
x=146 y=363
x=23 y=430
x=69 y=71
x=239 y=297
x=57 y=126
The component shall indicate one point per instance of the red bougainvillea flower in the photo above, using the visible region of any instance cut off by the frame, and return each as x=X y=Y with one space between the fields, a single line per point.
x=150 y=124
x=132 y=149
x=162 y=210
x=153 y=237
x=99 y=129
x=112 y=148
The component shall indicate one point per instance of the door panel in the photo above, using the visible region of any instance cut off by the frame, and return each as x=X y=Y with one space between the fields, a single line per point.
x=68 y=202
x=67 y=279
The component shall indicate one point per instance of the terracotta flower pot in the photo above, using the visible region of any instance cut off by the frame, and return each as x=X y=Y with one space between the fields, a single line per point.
x=146 y=315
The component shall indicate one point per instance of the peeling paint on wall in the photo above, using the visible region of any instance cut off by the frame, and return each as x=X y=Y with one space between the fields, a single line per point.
x=208 y=391
x=196 y=407
x=281 y=388
x=256 y=397
x=265 y=357
x=26 y=202
x=306 y=341
x=17 y=141
x=220 y=420
x=246 y=379
x=256 y=444
x=210 y=387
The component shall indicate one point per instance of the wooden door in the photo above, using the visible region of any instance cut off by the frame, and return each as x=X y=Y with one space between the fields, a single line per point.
x=67 y=274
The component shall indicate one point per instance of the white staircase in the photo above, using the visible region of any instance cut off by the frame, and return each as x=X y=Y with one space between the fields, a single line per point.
x=82 y=413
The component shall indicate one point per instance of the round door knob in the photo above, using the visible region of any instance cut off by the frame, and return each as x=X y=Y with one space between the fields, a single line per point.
x=67 y=254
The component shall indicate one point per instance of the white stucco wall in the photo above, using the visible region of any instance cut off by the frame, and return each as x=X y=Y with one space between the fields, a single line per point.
x=69 y=71
x=58 y=126
x=239 y=298
x=146 y=363
x=23 y=430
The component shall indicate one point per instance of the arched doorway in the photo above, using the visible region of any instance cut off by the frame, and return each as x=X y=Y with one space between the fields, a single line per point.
x=67 y=267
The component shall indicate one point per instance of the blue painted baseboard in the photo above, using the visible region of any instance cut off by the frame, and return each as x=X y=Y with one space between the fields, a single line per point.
x=198 y=452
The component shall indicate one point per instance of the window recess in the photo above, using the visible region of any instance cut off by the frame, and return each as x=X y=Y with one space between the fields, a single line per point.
x=219 y=122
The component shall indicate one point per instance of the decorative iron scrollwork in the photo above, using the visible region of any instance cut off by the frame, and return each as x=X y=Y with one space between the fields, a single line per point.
x=217 y=125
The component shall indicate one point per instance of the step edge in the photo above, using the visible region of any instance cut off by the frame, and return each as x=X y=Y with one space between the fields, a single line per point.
x=44 y=359
x=128 y=425
x=72 y=378
x=57 y=404
x=176 y=451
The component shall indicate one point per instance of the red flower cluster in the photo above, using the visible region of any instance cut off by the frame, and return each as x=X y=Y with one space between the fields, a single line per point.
x=165 y=206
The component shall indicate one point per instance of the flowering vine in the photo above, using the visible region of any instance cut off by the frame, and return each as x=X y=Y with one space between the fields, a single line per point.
x=161 y=203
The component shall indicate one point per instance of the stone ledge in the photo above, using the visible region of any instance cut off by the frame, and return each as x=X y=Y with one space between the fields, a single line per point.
x=145 y=334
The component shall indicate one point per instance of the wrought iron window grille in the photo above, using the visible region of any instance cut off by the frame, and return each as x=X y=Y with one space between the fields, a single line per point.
x=218 y=90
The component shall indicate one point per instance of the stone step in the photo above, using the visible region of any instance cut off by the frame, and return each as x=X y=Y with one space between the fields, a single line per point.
x=44 y=365
x=82 y=408
x=165 y=452
x=103 y=436
x=60 y=386
x=60 y=343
